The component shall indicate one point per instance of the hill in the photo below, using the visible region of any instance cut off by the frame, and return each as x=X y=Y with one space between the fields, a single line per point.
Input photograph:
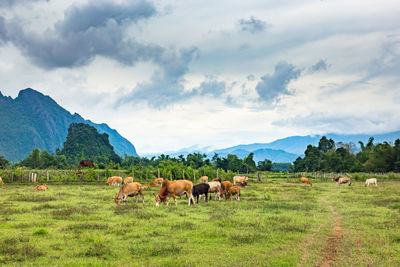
x=33 y=120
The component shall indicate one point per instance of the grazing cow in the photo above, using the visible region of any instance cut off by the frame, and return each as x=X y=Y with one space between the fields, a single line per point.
x=371 y=181
x=215 y=187
x=114 y=180
x=306 y=180
x=1 y=182
x=234 y=190
x=216 y=180
x=158 y=181
x=86 y=163
x=342 y=180
x=225 y=185
x=41 y=187
x=128 y=180
x=174 y=188
x=240 y=179
x=203 y=179
x=129 y=190
x=201 y=189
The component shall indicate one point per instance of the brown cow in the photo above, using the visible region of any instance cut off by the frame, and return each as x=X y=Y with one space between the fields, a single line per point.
x=306 y=180
x=1 y=182
x=342 y=180
x=41 y=187
x=114 y=180
x=158 y=180
x=240 y=179
x=225 y=185
x=174 y=188
x=129 y=190
x=86 y=163
x=128 y=180
x=216 y=180
x=203 y=179
x=234 y=190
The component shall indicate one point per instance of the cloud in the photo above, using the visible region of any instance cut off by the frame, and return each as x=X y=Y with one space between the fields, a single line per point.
x=166 y=84
x=211 y=88
x=319 y=66
x=253 y=25
x=85 y=32
x=273 y=85
x=3 y=30
x=10 y=3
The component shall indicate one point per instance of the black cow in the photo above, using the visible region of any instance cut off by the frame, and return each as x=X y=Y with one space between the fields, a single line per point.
x=200 y=189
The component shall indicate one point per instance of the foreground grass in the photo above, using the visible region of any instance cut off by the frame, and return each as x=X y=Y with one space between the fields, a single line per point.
x=274 y=224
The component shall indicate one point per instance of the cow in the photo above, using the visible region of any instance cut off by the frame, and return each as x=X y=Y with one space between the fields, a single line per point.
x=114 y=180
x=1 y=182
x=128 y=180
x=371 y=181
x=215 y=187
x=158 y=180
x=173 y=189
x=203 y=179
x=86 y=163
x=234 y=190
x=201 y=189
x=216 y=180
x=240 y=179
x=41 y=187
x=342 y=180
x=225 y=185
x=306 y=180
x=129 y=190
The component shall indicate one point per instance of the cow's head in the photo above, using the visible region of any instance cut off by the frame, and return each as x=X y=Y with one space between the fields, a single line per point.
x=117 y=200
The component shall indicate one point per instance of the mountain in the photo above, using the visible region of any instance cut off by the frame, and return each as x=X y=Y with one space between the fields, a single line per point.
x=83 y=139
x=33 y=120
x=285 y=149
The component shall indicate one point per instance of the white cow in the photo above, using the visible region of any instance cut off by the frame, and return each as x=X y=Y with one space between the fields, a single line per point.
x=371 y=181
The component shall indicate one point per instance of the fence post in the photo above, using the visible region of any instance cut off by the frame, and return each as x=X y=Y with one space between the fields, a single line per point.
x=158 y=172
x=217 y=173
x=266 y=177
x=258 y=177
x=47 y=174
x=183 y=174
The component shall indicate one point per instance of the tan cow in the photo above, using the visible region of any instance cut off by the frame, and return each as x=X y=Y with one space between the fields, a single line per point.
x=240 y=179
x=342 y=180
x=129 y=190
x=158 y=180
x=203 y=179
x=306 y=180
x=234 y=190
x=215 y=187
x=371 y=181
x=128 y=180
x=1 y=182
x=173 y=189
x=114 y=180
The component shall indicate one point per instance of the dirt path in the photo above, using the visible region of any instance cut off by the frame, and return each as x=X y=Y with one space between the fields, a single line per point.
x=332 y=246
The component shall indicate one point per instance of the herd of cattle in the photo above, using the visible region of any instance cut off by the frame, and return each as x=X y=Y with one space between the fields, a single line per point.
x=175 y=188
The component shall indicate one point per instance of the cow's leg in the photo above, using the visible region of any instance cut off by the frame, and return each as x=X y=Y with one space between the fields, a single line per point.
x=141 y=195
x=206 y=198
x=137 y=198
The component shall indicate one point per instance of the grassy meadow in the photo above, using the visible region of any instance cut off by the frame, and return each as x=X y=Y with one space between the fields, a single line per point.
x=274 y=224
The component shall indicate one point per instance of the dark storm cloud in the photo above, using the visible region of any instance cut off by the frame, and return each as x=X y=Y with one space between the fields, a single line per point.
x=85 y=32
x=273 y=85
x=319 y=66
x=253 y=25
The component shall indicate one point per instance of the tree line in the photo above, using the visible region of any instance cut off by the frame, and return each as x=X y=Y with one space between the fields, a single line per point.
x=329 y=156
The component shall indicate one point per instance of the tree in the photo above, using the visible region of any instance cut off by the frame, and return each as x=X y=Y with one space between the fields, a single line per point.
x=3 y=162
x=265 y=165
x=250 y=163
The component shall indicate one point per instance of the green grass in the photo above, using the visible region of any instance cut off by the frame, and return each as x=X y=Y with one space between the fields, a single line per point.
x=274 y=224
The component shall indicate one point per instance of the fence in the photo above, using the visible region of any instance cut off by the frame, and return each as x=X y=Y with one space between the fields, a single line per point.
x=92 y=176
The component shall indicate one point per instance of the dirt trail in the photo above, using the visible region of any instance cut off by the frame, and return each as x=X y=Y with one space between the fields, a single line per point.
x=332 y=247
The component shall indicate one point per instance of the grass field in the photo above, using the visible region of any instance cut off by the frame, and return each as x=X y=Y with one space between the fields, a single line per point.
x=275 y=224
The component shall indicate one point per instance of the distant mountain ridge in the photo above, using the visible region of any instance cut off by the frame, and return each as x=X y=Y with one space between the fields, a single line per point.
x=285 y=149
x=33 y=120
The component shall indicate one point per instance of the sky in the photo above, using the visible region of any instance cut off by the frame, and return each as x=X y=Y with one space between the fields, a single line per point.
x=173 y=74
